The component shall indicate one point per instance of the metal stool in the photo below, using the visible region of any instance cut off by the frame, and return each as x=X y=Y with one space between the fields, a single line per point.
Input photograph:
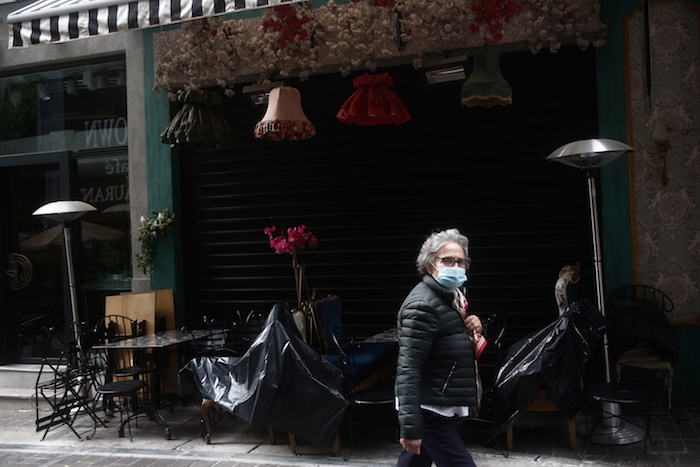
x=612 y=427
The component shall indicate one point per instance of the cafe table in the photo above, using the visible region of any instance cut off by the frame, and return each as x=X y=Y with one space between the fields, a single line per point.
x=155 y=343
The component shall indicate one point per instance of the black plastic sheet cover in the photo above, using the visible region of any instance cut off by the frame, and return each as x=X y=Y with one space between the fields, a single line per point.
x=552 y=359
x=279 y=382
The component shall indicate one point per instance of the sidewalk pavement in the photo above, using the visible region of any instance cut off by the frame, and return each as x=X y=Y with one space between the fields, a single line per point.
x=539 y=440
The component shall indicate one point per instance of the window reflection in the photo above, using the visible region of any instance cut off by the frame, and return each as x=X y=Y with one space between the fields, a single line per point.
x=75 y=108
x=106 y=243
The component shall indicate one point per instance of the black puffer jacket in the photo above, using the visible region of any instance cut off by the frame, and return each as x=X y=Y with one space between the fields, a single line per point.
x=436 y=360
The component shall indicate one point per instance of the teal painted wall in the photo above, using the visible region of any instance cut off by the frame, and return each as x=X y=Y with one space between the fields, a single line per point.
x=161 y=189
x=616 y=228
x=615 y=187
x=686 y=380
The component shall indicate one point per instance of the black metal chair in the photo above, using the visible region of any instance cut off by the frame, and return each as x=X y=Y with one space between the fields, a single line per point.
x=380 y=394
x=128 y=373
x=643 y=292
x=643 y=344
x=220 y=337
x=65 y=384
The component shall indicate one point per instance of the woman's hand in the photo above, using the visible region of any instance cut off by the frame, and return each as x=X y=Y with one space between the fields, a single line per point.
x=473 y=324
x=411 y=445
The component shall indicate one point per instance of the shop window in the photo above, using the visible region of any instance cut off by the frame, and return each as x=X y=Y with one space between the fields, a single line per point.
x=103 y=181
x=74 y=108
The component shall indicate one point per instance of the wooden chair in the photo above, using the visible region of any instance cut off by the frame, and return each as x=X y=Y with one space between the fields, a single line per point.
x=543 y=403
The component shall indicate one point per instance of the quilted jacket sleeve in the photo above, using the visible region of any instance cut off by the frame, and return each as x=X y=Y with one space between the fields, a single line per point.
x=418 y=326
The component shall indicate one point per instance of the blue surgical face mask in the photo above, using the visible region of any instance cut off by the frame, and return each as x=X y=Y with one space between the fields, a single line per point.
x=451 y=278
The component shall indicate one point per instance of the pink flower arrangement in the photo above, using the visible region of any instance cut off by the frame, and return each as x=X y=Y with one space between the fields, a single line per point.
x=291 y=240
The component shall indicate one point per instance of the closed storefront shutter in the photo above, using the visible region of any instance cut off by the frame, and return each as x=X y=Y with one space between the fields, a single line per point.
x=372 y=194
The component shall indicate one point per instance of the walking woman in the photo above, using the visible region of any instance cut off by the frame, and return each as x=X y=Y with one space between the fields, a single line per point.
x=435 y=374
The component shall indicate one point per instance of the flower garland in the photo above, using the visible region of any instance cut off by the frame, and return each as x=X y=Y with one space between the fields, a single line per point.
x=283 y=41
x=204 y=53
x=296 y=40
x=491 y=16
x=363 y=32
x=288 y=23
x=443 y=26
x=156 y=225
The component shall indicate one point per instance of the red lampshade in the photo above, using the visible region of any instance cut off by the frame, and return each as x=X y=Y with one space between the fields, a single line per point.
x=373 y=103
x=284 y=119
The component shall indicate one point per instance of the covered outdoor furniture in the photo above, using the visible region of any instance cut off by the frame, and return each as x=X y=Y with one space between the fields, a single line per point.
x=552 y=360
x=227 y=339
x=280 y=382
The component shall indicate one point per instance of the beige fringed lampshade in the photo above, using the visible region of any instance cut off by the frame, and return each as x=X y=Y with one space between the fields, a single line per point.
x=284 y=119
x=485 y=86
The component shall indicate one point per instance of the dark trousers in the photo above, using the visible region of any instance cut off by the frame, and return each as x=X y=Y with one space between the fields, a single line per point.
x=441 y=444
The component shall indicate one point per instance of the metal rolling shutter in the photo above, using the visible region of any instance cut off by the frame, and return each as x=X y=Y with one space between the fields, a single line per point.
x=372 y=194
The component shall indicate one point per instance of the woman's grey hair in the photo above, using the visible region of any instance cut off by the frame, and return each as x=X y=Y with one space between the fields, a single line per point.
x=428 y=252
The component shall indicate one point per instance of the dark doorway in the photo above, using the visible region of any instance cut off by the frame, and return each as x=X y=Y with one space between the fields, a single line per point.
x=32 y=294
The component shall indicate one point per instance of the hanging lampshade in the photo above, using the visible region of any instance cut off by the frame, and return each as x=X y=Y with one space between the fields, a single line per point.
x=485 y=86
x=198 y=121
x=284 y=119
x=373 y=103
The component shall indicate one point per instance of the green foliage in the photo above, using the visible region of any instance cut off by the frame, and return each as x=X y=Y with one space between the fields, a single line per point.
x=153 y=227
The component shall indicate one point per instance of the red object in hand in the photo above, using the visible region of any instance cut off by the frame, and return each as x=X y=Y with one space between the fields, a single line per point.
x=480 y=344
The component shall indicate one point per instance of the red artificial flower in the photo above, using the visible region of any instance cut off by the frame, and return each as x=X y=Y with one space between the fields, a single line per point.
x=288 y=24
x=206 y=27
x=495 y=14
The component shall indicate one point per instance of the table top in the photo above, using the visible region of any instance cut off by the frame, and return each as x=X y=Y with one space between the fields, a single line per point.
x=620 y=393
x=157 y=341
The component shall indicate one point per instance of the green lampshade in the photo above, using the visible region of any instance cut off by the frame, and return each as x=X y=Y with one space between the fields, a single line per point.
x=485 y=86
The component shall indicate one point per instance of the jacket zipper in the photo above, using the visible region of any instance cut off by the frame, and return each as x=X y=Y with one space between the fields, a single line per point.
x=449 y=376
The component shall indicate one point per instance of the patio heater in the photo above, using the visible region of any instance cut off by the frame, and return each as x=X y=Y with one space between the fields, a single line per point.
x=588 y=155
x=64 y=212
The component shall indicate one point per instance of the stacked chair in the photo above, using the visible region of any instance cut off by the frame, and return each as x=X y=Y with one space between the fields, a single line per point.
x=129 y=374
x=65 y=386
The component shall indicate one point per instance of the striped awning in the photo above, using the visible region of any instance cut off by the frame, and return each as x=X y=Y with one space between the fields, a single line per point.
x=46 y=21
